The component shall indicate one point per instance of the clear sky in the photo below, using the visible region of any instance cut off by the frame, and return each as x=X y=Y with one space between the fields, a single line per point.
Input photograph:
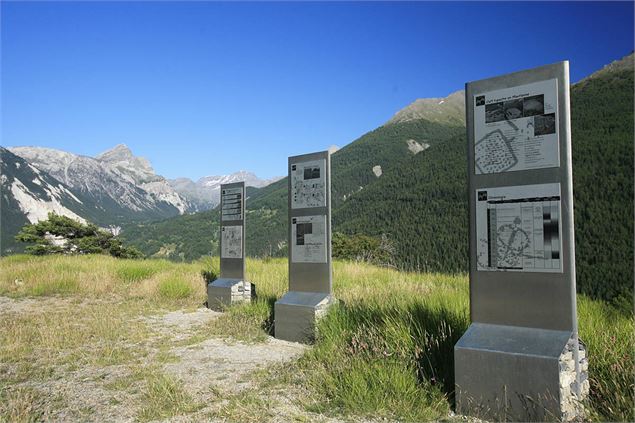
x=211 y=88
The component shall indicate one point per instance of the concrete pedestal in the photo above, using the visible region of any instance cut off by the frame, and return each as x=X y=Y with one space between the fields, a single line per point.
x=224 y=292
x=296 y=313
x=507 y=373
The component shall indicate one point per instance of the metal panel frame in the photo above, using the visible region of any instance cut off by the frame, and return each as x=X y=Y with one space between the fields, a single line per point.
x=232 y=268
x=527 y=299
x=311 y=277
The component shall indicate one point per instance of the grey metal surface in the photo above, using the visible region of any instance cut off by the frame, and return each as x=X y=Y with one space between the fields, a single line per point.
x=226 y=283
x=219 y=293
x=504 y=386
x=233 y=268
x=507 y=363
x=304 y=299
x=310 y=284
x=514 y=340
x=311 y=277
x=296 y=313
x=224 y=292
x=540 y=300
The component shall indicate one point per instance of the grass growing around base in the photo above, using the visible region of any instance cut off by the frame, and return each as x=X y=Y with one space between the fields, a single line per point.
x=385 y=350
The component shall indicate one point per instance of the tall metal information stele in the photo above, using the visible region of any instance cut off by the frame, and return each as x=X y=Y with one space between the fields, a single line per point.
x=310 y=268
x=520 y=358
x=231 y=287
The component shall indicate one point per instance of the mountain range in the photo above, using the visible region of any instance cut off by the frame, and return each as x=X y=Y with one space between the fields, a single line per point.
x=204 y=194
x=111 y=189
x=406 y=181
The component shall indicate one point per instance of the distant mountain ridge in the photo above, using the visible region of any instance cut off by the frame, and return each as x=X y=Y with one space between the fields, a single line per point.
x=111 y=189
x=115 y=176
x=204 y=194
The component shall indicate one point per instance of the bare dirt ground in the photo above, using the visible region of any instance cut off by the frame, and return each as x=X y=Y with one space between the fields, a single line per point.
x=221 y=378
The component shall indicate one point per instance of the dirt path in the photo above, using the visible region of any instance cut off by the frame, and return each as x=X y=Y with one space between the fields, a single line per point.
x=219 y=376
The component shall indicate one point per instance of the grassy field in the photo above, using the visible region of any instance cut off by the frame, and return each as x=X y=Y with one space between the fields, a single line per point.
x=386 y=350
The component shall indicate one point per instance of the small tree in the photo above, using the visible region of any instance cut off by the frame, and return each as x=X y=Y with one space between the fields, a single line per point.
x=379 y=251
x=63 y=235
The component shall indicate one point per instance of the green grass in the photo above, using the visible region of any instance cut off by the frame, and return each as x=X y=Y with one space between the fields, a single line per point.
x=134 y=271
x=385 y=350
x=175 y=288
x=165 y=397
x=608 y=334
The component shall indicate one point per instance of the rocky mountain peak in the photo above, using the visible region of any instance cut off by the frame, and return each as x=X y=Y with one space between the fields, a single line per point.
x=117 y=153
x=626 y=63
x=447 y=110
x=138 y=168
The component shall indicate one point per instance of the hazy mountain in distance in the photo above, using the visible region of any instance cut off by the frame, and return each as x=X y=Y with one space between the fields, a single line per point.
x=204 y=194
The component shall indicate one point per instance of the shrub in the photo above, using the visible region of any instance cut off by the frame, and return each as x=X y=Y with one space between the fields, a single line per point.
x=63 y=235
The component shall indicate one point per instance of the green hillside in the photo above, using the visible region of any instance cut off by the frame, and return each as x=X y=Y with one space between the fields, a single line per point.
x=602 y=121
x=189 y=237
x=420 y=200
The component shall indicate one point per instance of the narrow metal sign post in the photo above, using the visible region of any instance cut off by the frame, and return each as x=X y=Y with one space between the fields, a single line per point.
x=520 y=358
x=310 y=268
x=231 y=287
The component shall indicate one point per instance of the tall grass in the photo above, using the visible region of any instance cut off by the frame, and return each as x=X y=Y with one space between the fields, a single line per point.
x=610 y=340
x=386 y=349
x=95 y=276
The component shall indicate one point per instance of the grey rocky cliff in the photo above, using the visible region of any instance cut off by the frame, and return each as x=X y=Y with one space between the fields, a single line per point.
x=116 y=176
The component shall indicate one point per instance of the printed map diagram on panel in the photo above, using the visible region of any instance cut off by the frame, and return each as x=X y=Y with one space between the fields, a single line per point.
x=494 y=153
x=231 y=242
x=308 y=184
x=232 y=204
x=518 y=228
x=516 y=128
x=308 y=239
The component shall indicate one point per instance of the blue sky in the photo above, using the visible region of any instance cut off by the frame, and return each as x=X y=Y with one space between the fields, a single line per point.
x=211 y=88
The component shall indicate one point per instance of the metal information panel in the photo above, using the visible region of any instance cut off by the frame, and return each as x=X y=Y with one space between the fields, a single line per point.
x=310 y=223
x=310 y=269
x=522 y=257
x=522 y=269
x=232 y=239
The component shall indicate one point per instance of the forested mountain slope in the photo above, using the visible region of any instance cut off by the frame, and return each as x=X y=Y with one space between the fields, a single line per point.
x=419 y=201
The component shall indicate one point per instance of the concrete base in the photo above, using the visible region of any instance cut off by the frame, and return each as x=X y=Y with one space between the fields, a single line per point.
x=224 y=292
x=507 y=373
x=296 y=313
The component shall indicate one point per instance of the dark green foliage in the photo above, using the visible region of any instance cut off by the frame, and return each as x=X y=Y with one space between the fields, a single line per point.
x=376 y=250
x=387 y=147
x=186 y=238
x=72 y=237
x=421 y=206
x=602 y=123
